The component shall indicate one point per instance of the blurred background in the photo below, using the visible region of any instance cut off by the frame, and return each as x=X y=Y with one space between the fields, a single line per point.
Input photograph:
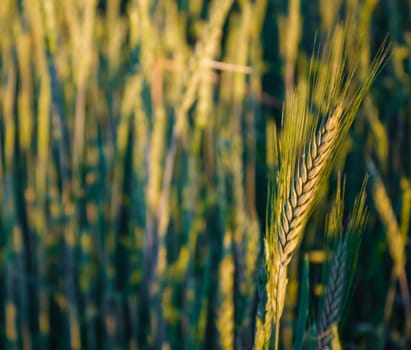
x=136 y=143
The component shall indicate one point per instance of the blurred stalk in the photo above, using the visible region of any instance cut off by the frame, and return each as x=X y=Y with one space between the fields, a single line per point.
x=370 y=110
x=290 y=34
x=13 y=335
x=225 y=317
x=396 y=245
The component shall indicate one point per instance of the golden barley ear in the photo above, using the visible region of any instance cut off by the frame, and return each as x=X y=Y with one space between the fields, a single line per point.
x=316 y=121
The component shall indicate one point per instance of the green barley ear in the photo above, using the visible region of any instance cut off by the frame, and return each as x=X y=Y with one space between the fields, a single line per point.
x=316 y=121
x=345 y=244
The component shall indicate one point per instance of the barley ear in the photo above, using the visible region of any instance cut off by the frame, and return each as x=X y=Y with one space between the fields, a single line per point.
x=344 y=251
x=316 y=121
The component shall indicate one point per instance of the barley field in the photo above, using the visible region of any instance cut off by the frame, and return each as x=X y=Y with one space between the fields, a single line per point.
x=205 y=174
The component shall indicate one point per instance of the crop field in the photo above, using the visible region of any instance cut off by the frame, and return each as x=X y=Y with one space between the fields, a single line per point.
x=205 y=174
